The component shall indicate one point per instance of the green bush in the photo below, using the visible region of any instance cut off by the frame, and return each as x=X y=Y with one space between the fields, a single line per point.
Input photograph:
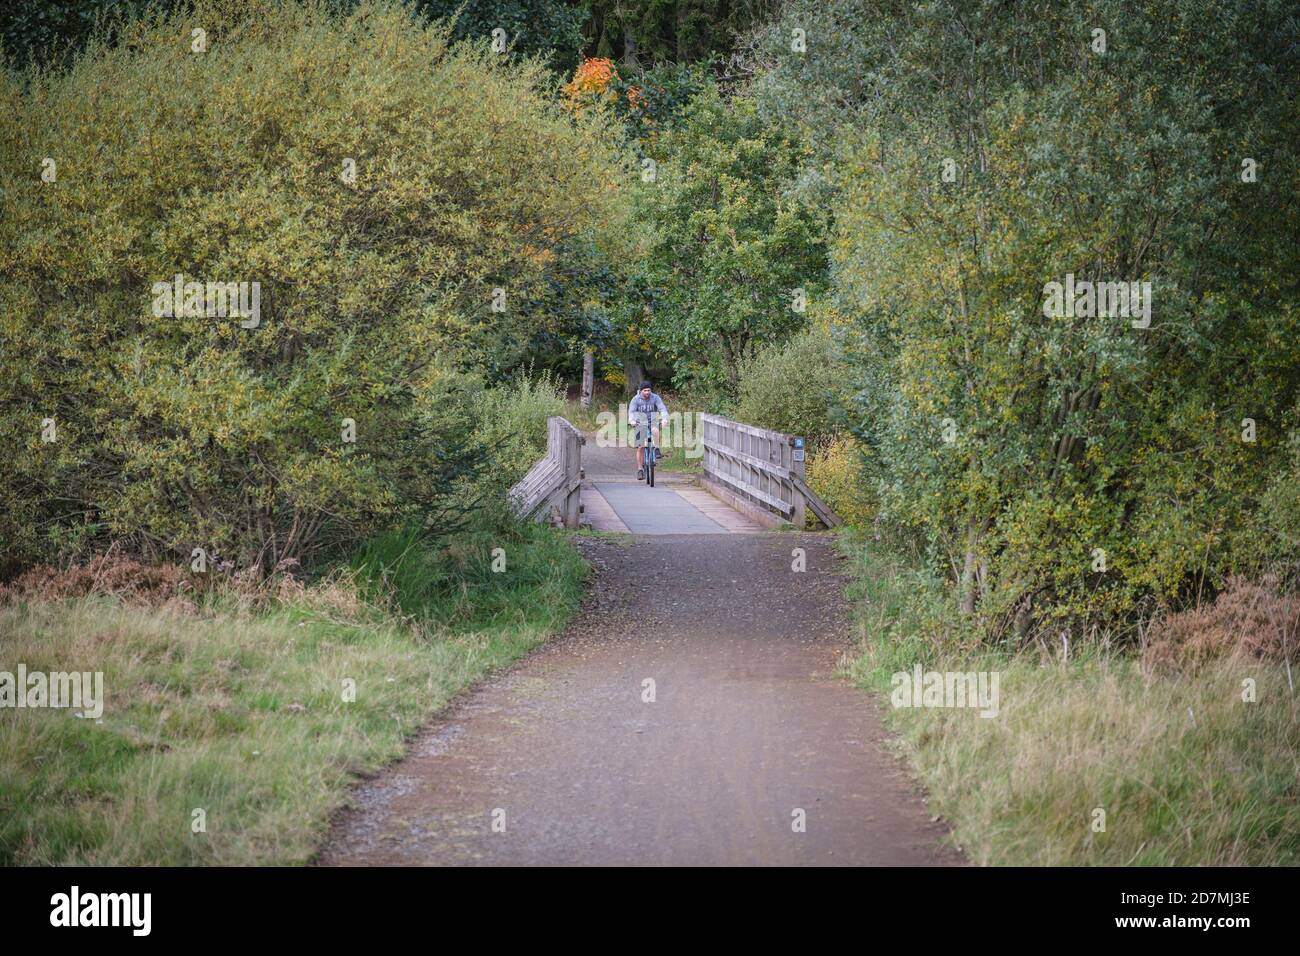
x=1277 y=521
x=791 y=387
x=511 y=424
x=234 y=165
x=837 y=473
x=1072 y=471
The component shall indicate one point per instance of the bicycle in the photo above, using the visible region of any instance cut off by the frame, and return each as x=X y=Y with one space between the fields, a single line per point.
x=651 y=453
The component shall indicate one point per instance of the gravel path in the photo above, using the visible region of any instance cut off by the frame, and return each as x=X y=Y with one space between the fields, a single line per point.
x=564 y=760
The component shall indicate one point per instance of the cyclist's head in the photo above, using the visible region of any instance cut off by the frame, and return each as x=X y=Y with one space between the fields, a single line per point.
x=644 y=389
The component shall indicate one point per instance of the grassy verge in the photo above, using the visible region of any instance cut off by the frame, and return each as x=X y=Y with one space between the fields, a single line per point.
x=1186 y=772
x=589 y=419
x=678 y=463
x=242 y=715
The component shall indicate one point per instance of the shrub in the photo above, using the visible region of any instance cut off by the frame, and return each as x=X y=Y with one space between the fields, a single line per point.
x=1251 y=618
x=511 y=427
x=122 y=578
x=233 y=165
x=791 y=387
x=837 y=473
x=131 y=583
x=1083 y=468
x=1276 y=531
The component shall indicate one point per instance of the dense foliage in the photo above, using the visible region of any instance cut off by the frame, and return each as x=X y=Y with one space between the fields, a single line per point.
x=641 y=34
x=647 y=32
x=52 y=31
x=1062 y=466
x=737 y=249
x=791 y=387
x=842 y=218
x=551 y=29
x=385 y=190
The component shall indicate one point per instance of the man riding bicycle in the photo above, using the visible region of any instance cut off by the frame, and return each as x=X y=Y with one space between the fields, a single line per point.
x=645 y=403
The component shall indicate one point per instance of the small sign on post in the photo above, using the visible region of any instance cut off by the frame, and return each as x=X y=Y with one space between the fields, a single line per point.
x=796 y=474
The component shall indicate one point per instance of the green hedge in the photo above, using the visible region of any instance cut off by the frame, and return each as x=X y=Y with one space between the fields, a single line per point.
x=233 y=165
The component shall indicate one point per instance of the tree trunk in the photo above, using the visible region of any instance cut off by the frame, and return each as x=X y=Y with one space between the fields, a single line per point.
x=629 y=50
x=588 y=378
x=968 y=575
x=634 y=373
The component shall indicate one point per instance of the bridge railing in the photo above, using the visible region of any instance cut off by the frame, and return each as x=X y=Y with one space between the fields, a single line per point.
x=551 y=491
x=761 y=471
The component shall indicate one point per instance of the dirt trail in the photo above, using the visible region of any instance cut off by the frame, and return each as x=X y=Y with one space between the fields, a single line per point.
x=748 y=724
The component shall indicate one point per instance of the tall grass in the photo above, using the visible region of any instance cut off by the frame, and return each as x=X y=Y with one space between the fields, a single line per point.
x=1185 y=770
x=511 y=423
x=242 y=715
x=482 y=579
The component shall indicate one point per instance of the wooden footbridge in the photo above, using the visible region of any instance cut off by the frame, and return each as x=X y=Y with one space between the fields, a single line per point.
x=751 y=479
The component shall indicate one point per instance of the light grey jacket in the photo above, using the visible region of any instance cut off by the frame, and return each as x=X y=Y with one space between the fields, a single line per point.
x=639 y=406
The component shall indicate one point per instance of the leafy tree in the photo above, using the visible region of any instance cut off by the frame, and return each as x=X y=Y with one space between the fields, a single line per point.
x=604 y=294
x=647 y=33
x=821 y=66
x=574 y=306
x=1063 y=468
x=549 y=28
x=51 y=32
x=733 y=241
x=652 y=101
x=553 y=29
x=379 y=183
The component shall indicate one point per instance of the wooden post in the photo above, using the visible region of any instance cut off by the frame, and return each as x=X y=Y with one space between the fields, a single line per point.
x=572 y=470
x=588 y=378
x=796 y=467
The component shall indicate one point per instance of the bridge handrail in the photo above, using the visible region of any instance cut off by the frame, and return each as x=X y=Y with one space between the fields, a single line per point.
x=552 y=488
x=763 y=469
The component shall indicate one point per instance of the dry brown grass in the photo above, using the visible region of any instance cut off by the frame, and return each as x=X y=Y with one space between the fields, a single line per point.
x=176 y=588
x=111 y=575
x=1252 y=619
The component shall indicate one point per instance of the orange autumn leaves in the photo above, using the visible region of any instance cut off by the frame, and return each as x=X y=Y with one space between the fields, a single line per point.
x=591 y=78
x=592 y=81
